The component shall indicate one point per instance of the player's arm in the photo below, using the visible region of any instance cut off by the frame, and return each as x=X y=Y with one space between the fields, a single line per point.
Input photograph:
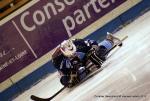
x=56 y=52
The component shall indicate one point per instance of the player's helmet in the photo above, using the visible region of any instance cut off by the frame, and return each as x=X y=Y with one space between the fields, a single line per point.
x=68 y=48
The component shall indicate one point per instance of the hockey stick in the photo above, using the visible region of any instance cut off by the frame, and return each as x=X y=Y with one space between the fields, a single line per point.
x=35 y=98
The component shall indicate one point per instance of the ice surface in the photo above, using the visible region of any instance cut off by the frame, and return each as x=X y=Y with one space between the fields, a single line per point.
x=126 y=76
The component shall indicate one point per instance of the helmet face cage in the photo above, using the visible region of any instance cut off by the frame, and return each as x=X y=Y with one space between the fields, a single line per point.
x=68 y=48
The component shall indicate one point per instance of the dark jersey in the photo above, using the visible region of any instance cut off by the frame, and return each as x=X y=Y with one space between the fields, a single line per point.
x=61 y=62
x=84 y=45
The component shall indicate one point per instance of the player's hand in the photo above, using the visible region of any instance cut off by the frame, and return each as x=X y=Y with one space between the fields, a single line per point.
x=94 y=47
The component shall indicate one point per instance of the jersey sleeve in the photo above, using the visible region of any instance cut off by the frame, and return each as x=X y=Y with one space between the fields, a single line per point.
x=84 y=45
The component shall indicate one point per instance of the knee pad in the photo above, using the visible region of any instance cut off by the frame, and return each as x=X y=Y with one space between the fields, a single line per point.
x=98 y=56
x=100 y=51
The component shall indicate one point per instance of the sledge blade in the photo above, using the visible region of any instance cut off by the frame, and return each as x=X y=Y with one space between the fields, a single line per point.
x=124 y=38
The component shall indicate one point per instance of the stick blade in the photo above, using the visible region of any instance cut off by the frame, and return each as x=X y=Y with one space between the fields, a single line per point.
x=35 y=98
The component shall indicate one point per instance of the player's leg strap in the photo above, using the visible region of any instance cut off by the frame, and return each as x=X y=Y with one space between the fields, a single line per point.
x=94 y=57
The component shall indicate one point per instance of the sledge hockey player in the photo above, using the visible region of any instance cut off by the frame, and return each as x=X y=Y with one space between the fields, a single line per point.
x=70 y=56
